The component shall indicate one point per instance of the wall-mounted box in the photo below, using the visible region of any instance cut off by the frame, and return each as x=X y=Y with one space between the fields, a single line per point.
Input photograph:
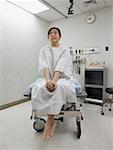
x=92 y=50
x=85 y=51
x=95 y=84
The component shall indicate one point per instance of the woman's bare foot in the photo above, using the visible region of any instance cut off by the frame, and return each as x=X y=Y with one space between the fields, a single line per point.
x=49 y=128
x=52 y=128
x=45 y=135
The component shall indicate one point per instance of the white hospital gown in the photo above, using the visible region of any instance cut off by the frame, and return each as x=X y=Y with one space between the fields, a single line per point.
x=56 y=59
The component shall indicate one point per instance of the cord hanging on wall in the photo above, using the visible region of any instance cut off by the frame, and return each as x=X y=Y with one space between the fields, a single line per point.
x=70 y=10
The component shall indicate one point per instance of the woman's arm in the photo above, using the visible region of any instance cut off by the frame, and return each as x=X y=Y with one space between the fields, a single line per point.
x=47 y=74
x=49 y=83
x=57 y=75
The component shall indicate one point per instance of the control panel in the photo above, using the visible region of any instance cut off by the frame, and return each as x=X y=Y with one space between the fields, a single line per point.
x=84 y=51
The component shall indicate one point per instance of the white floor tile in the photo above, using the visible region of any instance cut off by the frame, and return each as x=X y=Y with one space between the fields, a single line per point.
x=14 y=116
x=16 y=131
x=9 y=143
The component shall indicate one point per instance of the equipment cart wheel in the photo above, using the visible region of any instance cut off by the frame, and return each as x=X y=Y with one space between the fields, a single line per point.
x=102 y=113
x=78 y=123
x=39 y=124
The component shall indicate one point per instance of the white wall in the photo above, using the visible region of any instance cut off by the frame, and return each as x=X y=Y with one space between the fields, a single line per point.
x=0 y=55
x=78 y=34
x=22 y=37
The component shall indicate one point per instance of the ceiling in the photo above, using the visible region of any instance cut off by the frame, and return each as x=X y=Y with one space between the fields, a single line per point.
x=59 y=8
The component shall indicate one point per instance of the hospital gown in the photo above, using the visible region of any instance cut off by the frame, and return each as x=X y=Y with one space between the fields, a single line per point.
x=56 y=59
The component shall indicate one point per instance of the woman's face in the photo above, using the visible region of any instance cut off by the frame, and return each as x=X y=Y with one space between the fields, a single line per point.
x=54 y=36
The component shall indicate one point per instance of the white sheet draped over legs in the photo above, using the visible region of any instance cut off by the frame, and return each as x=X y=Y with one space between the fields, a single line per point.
x=56 y=59
x=47 y=102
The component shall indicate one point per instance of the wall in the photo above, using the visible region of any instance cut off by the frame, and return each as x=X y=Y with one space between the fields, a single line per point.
x=78 y=34
x=110 y=57
x=22 y=36
x=0 y=56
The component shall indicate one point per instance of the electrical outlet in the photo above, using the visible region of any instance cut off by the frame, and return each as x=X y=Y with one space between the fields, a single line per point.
x=106 y=48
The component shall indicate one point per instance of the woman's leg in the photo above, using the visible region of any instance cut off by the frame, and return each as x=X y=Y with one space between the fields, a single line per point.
x=49 y=127
x=59 y=99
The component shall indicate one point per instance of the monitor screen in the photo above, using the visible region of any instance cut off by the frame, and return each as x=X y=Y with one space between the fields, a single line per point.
x=94 y=77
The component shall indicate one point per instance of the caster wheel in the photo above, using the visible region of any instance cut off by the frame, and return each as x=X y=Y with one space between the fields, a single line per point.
x=109 y=109
x=82 y=118
x=102 y=113
x=39 y=124
x=78 y=123
x=80 y=105
x=78 y=130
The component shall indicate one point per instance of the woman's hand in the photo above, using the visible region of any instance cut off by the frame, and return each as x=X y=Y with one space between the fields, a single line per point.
x=51 y=85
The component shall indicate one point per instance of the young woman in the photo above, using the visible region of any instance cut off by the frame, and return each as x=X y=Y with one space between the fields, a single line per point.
x=50 y=95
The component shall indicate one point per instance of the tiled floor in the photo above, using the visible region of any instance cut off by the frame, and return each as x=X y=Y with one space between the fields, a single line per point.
x=17 y=133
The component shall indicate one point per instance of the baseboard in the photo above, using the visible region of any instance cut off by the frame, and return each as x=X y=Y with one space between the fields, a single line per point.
x=13 y=103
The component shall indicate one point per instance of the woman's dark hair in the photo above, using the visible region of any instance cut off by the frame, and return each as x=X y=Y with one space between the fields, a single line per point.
x=56 y=29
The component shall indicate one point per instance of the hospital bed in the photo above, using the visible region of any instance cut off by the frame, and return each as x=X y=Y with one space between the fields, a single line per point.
x=68 y=110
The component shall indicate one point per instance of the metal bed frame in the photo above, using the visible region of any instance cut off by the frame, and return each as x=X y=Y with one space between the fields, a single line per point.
x=68 y=110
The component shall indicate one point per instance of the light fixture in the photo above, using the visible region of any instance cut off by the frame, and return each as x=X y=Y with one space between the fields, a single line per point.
x=33 y=6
